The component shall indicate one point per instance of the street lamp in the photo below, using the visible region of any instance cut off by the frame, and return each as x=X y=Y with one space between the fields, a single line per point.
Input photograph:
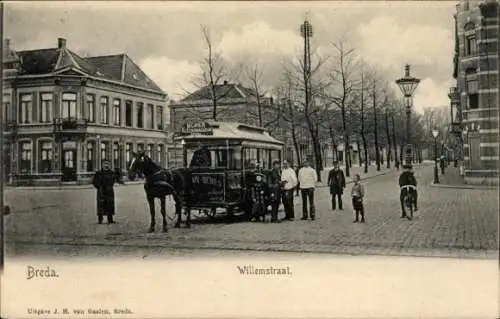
x=408 y=84
x=435 y=134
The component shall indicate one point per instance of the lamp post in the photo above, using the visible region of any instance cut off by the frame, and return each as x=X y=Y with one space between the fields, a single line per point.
x=435 y=134
x=408 y=85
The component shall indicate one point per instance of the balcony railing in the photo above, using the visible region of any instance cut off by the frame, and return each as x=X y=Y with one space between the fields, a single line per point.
x=65 y=124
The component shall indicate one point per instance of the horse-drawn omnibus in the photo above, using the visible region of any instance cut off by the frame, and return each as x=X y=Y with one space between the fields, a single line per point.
x=226 y=163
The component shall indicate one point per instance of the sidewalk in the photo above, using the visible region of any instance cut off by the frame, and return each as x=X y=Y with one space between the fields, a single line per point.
x=453 y=179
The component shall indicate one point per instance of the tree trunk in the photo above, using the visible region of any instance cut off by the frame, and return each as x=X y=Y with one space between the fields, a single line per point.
x=395 y=145
x=358 y=145
x=334 y=144
x=296 y=145
x=377 y=150
x=365 y=149
x=346 y=140
x=401 y=146
x=388 y=135
x=317 y=152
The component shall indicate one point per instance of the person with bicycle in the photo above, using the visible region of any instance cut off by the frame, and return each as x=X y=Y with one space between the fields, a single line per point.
x=407 y=177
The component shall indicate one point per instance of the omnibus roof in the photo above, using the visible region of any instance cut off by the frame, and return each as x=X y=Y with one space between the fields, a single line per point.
x=231 y=131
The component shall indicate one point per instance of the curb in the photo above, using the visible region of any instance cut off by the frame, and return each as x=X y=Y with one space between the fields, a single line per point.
x=480 y=187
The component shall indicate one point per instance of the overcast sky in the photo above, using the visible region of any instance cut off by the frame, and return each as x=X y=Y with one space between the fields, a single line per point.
x=164 y=38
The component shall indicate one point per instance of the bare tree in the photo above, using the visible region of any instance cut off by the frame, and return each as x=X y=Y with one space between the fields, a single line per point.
x=255 y=77
x=342 y=76
x=287 y=108
x=214 y=71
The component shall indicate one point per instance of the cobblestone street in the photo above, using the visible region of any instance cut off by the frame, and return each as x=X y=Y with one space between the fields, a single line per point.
x=451 y=222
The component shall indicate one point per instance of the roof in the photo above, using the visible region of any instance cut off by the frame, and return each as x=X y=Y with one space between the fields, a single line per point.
x=234 y=131
x=118 y=67
x=230 y=91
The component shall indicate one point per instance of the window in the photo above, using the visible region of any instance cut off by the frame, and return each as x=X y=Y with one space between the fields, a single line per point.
x=45 y=113
x=91 y=107
x=159 y=154
x=140 y=115
x=159 y=117
x=149 y=152
x=26 y=108
x=104 y=110
x=6 y=110
x=128 y=149
x=150 y=116
x=104 y=151
x=90 y=156
x=68 y=105
x=128 y=113
x=45 y=157
x=470 y=45
x=116 y=155
x=26 y=157
x=250 y=158
x=275 y=156
x=473 y=101
x=140 y=147
x=218 y=158
x=264 y=159
x=117 y=112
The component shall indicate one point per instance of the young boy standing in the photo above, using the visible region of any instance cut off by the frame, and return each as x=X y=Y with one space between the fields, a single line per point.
x=357 y=194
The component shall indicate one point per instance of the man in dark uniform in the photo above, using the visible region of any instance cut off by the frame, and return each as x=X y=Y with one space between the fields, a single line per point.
x=104 y=181
x=407 y=178
x=336 y=182
x=275 y=189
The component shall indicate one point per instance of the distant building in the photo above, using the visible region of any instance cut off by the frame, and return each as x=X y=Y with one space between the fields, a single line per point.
x=476 y=71
x=65 y=114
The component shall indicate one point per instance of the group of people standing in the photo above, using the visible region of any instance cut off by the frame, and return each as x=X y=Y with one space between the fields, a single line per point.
x=289 y=180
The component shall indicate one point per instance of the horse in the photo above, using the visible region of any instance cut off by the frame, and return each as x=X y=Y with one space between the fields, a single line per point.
x=160 y=183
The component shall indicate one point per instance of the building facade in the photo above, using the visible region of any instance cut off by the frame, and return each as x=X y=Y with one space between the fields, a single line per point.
x=65 y=114
x=476 y=94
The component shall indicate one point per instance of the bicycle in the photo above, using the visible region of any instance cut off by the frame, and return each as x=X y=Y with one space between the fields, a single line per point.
x=408 y=200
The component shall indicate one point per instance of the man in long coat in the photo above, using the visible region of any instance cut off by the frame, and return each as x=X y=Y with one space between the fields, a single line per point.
x=336 y=182
x=276 y=190
x=104 y=181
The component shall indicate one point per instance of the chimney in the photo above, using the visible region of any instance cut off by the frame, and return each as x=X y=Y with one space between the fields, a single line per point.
x=225 y=83
x=61 y=43
x=6 y=45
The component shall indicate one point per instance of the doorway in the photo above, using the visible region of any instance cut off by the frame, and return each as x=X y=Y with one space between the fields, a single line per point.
x=68 y=165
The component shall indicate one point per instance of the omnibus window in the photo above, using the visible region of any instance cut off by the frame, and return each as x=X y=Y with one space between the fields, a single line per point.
x=250 y=158
x=200 y=158
x=264 y=159
x=220 y=158
x=275 y=156
x=210 y=158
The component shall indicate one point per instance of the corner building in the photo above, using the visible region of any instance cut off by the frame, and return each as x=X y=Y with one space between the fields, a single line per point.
x=476 y=71
x=65 y=114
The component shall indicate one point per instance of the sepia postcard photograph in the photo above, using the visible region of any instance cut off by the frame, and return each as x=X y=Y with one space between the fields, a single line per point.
x=249 y=159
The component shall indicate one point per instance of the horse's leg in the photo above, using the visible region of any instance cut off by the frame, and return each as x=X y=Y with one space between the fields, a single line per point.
x=151 y=201
x=178 y=211
x=163 y=214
